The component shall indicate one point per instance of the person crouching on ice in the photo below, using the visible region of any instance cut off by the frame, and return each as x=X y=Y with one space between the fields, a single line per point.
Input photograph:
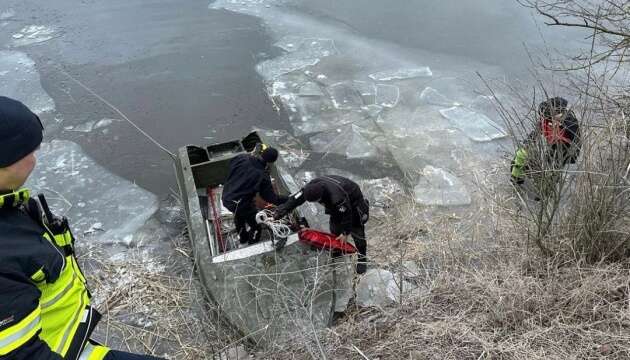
x=345 y=204
x=45 y=311
x=249 y=176
x=556 y=140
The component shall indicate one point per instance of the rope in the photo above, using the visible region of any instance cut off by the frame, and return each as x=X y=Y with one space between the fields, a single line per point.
x=90 y=91
x=280 y=229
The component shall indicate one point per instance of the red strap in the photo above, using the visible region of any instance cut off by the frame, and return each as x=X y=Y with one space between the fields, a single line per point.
x=216 y=218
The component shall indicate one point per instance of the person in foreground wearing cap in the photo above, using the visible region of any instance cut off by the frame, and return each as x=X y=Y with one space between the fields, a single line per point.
x=558 y=133
x=248 y=177
x=45 y=311
x=344 y=202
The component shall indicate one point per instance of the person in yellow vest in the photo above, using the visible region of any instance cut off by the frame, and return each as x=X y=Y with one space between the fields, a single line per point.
x=45 y=310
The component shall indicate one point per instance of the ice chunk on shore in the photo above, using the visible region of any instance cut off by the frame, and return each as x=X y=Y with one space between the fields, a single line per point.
x=433 y=97
x=348 y=141
x=387 y=95
x=476 y=126
x=378 y=287
x=439 y=187
x=381 y=193
x=20 y=80
x=33 y=34
x=402 y=74
x=77 y=187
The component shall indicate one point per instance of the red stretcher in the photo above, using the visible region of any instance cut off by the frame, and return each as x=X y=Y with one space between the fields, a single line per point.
x=325 y=241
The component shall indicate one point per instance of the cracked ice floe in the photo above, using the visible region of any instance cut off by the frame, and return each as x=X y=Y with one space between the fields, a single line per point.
x=345 y=96
x=439 y=187
x=20 y=80
x=476 y=126
x=348 y=140
x=433 y=97
x=402 y=74
x=98 y=203
x=387 y=95
x=33 y=34
x=308 y=53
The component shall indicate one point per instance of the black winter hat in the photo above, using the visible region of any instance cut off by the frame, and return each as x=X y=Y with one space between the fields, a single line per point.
x=269 y=155
x=552 y=107
x=21 y=131
x=313 y=192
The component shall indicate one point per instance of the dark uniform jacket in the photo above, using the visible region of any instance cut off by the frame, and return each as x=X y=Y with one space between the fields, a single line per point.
x=24 y=253
x=342 y=199
x=248 y=176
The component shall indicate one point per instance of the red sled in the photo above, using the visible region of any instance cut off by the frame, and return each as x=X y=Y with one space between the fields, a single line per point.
x=325 y=241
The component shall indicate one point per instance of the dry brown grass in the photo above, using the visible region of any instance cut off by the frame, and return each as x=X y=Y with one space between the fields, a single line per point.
x=153 y=305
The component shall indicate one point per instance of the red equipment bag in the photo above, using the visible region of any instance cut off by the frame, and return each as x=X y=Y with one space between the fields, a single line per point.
x=326 y=241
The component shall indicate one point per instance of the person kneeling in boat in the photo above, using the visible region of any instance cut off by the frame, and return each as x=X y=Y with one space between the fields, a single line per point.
x=249 y=176
x=344 y=202
x=557 y=136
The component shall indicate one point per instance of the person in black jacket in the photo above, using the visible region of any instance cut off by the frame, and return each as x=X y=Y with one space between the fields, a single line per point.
x=45 y=310
x=557 y=136
x=345 y=204
x=248 y=177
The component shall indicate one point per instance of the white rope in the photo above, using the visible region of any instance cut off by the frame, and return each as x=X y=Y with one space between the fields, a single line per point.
x=120 y=113
x=280 y=229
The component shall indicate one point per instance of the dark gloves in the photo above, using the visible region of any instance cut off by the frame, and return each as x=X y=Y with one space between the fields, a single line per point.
x=279 y=213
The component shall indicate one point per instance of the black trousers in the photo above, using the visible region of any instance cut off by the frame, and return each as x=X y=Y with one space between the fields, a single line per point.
x=245 y=214
x=119 y=355
x=357 y=232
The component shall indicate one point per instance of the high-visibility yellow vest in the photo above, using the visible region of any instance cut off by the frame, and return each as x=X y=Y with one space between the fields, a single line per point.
x=64 y=314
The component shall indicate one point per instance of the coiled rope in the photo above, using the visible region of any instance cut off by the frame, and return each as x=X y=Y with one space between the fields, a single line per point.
x=280 y=229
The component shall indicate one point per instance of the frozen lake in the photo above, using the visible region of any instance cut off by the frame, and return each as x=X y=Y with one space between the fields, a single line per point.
x=385 y=93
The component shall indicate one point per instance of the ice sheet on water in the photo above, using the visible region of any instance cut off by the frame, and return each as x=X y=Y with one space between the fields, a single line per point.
x=349 y=140
x=289 y=43
x=7 y=14
x=431 y=96
x=90 y=125
x=310 y=89
x=372 y=110
x=33 y=34
x=308 y=53
x=402 y=74
x=476 y=126
x=367 y=90
x=440 y=187
x=20 y=80
x=387 y=95
x=98 y=203
x=345 y=96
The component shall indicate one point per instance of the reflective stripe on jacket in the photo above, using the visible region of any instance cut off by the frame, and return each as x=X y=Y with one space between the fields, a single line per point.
x=45 y=310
